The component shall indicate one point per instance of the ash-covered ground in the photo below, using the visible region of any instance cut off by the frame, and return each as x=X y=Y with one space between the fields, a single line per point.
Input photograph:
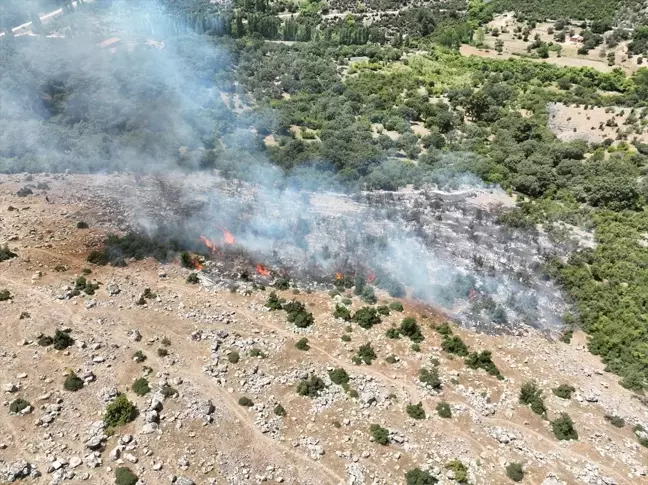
x=443 y=247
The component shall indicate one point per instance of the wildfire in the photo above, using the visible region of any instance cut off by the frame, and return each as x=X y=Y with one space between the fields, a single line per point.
x=212 y=247
x=262 y=270
x=371 y=277
x=339 y=276
x=229 y=237
x=198 y=265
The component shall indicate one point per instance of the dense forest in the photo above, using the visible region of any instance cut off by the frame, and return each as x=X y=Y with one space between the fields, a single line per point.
x=357 y=105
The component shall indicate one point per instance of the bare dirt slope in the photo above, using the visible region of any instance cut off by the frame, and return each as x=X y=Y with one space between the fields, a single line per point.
x=200 y=434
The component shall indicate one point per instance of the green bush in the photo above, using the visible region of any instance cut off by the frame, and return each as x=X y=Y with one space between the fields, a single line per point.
x=532 y=396
x=392 y=333
x=391 y=359
x=415 y=347
x=444 y=410
x=233 y=357
x=346 y=338
x=366 y=353
x=245 y=402
x=563 y=428
x=45 y=340
x=139 y=357
x=6 y=254
x=141 y=386
x=5 y=295
x=166 y=342
x=564 y=391
x=460 y=471
x=98 y=257
x=430 y=377
x=444 y=329
x=193 y=278
x=162 y=352
x=311 y=387
x=342 y=312
x=339 y=376
x=298 y=315
x=454 y=345
x=302 y=344
x=82 y=225
x=397 y=306
x=72 y=382
x=482 y=360
x=18 y=405
x=417 y=476
x=367 y=317
x=124 y=476
x=274 y=302
x=379 y=434
x=415 y=411
x=120 y=412
x=62 y=340
x=615 y=421
x=383 y=310
x=279 y=410
x=254 y=352
x=515 y=471
x=168 y=391
x=282 y=283
x=368 y=295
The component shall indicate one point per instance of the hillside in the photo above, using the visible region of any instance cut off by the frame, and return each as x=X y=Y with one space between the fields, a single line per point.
x=191 y=423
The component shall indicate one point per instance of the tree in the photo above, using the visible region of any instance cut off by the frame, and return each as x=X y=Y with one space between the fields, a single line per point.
x=499 y=46
x=430 y=377
x=339 y=376
x=532 y=396
x=444 y=410
x=367 y=317
x=454 y=345
x=311 y=387
x=411 y=329
x=479 y=37
x=365 y=354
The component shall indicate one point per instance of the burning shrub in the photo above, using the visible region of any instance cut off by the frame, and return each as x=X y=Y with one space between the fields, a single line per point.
x=532 y=396
x=6 y=254
x=193 y=278
x=397 y=306
x=430 y=378
x=274 y=302
x=311 y=387
x=564 y=391
x=379 y=434
x=415 y=411
x=246 y=402
x=342 y=312
x=72 y=382
x=454 y=345
x=410 y=328
x=187 y=260
x=120 y=412
x=417 y=476
x=339 y=376
x=365 y=354
x=482 y=360
x=563 y=428
x=5 y=295
x=443 y=409
x=366 y=317
x=343 y=281
x=141 y=386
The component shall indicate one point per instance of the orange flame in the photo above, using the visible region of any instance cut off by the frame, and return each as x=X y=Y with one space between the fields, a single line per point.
x=212 y=247
x=339 y=276
x=229 y=237
x=371 y=277
x=262 y=270
x=197 y=265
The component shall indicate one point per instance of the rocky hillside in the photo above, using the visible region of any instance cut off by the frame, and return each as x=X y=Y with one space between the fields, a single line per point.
x=111 y=374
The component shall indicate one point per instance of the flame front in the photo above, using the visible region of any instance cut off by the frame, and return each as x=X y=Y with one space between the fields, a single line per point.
x=197 y=264
x=262 y=270
x=212 y=247
x=371 y=277
x=339 y=276
x=229 y=237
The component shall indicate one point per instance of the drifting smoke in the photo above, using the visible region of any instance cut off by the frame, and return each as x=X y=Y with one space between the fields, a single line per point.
x=129 y=110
